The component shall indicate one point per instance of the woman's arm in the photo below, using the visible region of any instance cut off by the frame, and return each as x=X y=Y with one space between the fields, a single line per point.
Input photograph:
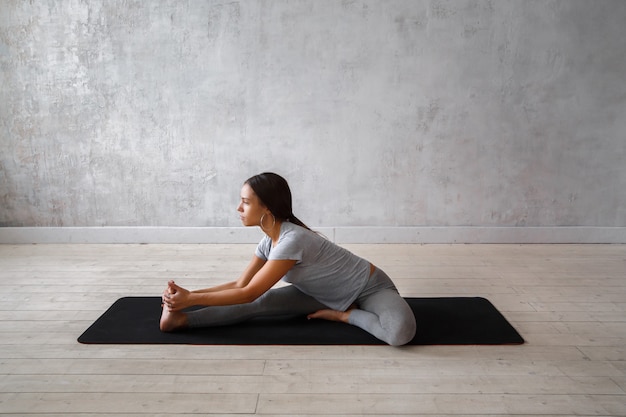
x=253 y=267
x=178 y=298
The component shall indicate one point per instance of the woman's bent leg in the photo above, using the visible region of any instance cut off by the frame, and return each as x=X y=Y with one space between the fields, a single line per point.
x=286 y=300
x=386 y=315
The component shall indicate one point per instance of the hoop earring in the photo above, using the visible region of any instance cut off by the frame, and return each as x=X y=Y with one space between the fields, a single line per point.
x=273 y=223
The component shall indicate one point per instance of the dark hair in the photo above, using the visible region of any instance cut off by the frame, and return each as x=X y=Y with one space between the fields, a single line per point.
x=274 y=193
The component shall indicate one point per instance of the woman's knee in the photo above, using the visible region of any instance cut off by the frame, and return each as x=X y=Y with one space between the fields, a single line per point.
x=403 y=332
x=400 y=326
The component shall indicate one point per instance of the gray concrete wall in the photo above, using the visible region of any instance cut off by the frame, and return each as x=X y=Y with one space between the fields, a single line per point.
x=379 y=113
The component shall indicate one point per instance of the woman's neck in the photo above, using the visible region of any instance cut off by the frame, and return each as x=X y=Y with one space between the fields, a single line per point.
x=274 y=232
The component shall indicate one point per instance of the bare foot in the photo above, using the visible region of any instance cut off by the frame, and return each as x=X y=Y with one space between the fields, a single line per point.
x=331 y=315
x=172 y=320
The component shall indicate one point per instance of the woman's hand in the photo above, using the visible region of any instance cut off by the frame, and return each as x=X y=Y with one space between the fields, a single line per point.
x=176 y=298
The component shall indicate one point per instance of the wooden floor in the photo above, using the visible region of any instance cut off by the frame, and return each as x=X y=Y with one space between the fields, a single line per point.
x=568 y=301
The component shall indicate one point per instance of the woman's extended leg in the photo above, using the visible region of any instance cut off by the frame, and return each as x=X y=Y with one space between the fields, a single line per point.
x=286 y=300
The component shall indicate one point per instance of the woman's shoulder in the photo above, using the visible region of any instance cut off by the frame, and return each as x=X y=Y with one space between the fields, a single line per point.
x=293 y=232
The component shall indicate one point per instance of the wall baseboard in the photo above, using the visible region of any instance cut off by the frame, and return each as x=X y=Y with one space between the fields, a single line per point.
x=341 y=235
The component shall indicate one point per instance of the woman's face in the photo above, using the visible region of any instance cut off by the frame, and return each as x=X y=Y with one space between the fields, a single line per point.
x=250 y=208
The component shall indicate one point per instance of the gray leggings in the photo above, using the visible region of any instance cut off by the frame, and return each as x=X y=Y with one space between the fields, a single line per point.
x=381 y=311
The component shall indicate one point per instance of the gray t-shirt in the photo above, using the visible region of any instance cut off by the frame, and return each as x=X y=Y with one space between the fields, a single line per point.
x=323 y=270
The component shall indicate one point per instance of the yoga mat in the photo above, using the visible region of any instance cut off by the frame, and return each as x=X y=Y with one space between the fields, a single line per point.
x=440 y=321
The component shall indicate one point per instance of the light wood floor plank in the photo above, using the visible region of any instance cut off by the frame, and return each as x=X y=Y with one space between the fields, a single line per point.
x=122 y=403
x=422 y=404
x=314 y=384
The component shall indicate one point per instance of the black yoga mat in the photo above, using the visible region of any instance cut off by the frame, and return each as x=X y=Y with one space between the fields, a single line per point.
x=440 y=321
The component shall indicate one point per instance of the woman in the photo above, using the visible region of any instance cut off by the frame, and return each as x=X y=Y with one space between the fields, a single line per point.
x=327 y=281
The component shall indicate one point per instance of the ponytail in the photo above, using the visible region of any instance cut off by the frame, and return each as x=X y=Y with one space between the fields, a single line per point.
x=293 y=219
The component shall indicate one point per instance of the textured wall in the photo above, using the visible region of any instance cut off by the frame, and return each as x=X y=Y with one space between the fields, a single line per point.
x=385 y=113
